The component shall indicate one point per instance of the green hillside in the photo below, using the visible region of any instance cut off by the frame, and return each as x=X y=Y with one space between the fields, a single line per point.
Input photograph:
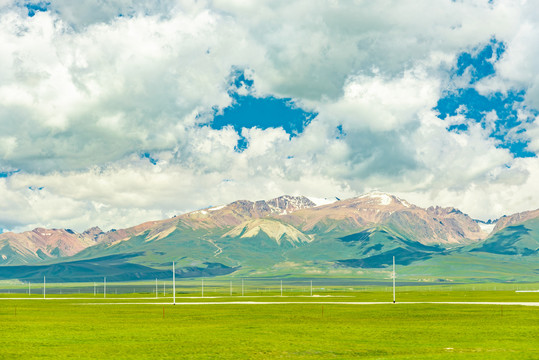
x=520 y=240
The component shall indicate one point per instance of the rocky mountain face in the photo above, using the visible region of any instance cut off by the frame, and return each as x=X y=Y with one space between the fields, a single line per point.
x=459 y=224
x=428 y=226
x=517 y=218
x=240 y=211
x=40 y=244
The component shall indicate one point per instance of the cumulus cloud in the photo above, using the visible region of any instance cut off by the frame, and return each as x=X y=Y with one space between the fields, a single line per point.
x=86 y=91
x=86 y=98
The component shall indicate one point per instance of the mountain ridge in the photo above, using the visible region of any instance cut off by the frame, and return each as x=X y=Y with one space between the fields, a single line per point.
x=266 y=234
x=508 y=220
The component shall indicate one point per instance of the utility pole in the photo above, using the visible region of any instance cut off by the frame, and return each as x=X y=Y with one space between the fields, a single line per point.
x=394 y=276
x=173 y=284
x=105 y=287
x=44 y=286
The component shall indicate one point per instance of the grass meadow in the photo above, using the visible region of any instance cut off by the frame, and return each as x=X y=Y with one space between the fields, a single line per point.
x=81 y=326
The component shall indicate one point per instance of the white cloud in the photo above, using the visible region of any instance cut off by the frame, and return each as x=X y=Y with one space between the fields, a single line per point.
x=380 y=104
x=84 y=92
x=116 y=87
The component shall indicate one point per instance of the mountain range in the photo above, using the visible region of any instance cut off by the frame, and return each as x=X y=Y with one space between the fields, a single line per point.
x=289 y=235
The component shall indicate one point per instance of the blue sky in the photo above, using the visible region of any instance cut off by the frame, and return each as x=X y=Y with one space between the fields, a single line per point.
x=249 y=111
x=34 y=7
x=128 y=111
x=477 y=65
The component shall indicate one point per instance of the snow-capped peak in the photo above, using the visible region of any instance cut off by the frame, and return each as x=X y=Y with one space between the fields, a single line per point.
x=383 y=198
x=287 y=204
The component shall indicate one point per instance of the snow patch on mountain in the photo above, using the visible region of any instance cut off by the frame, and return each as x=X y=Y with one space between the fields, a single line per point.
x=216 y=208
x=486 y=227
x=383 y=198
x=405 y=203
x=323 y=201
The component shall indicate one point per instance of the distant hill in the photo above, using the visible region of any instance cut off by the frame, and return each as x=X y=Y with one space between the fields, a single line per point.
x=115 y=268
x=287 y=234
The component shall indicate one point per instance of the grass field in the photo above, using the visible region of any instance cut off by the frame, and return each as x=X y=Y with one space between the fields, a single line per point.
x=74 y=329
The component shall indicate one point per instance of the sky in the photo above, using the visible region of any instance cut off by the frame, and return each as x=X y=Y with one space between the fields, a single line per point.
x=117 y=112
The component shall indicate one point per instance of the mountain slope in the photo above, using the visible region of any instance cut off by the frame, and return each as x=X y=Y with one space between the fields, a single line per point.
x=521 y=239
x=372 y=247
x=273 y=229
x=517 y=218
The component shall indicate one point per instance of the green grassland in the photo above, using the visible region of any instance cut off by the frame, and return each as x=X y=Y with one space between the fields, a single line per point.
x=106 y=328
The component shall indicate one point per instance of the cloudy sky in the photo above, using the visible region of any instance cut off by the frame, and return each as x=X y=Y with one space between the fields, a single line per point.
x=115 y=112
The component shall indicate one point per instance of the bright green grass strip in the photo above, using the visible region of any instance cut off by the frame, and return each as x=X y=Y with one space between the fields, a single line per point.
x=68 y=329
x=368 y=296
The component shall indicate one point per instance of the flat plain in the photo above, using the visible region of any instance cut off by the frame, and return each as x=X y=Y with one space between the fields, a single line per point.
x=86 y=327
